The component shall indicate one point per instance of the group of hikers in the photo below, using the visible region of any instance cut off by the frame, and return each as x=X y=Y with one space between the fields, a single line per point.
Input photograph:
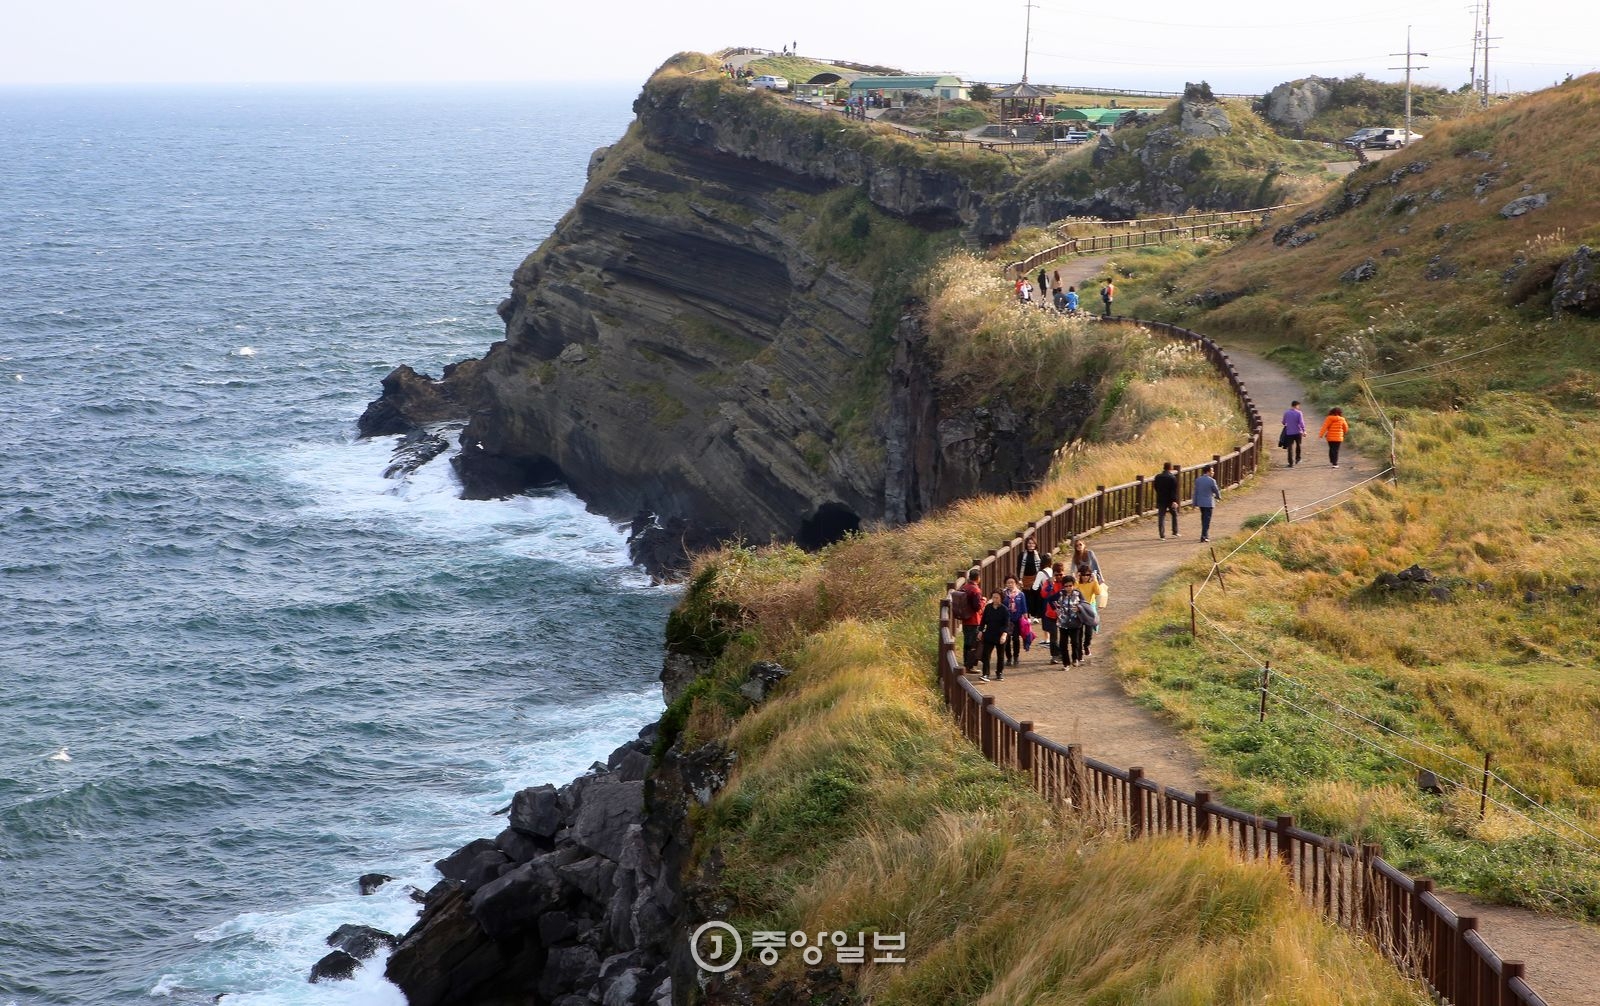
x=1063 y=298
x=1064 y=596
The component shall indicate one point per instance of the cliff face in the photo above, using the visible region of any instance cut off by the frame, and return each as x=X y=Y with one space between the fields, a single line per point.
x=707 y=336
x=717 y=340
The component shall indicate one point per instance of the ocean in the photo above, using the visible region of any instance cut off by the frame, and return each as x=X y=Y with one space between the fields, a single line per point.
x=239 y=667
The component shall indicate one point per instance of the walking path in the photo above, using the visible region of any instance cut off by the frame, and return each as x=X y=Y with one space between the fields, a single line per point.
x=1087 y=705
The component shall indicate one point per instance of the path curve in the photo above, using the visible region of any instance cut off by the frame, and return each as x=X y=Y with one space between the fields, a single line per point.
x=1087 y=705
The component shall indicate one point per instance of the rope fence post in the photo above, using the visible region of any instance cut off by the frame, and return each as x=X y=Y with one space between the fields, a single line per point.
x=1194 y=631
x=1218 y=567
x=1266 y=679
x=1287 y=517
x=1483 y=795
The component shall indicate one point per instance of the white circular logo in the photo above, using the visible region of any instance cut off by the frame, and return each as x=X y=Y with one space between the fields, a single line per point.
x=721 y=957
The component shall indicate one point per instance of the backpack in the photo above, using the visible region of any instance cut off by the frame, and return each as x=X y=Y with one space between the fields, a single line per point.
x=961 y=605
x=1074 y=613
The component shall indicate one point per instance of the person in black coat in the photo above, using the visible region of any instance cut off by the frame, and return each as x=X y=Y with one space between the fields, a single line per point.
x=1166 y=499
x=995 y=629
x=1028 y=566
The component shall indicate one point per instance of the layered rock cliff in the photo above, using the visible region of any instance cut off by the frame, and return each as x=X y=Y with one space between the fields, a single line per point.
x=718 y=340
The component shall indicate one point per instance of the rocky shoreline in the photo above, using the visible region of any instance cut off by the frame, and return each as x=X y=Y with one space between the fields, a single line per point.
x=580 y=899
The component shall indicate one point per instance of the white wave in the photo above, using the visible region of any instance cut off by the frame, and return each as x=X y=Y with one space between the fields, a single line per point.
x=245 y=351
x=345 y=481
x=264 y=958
x=60 y=755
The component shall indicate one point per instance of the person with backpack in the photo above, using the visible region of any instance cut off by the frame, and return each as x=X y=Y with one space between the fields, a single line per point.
x=1166 y=499
x=1016 y=605
x=1207 y=494
x=1075 y=619
x=967 y=608
x=995 y=626
x=1108 y=293
x=1048 y=592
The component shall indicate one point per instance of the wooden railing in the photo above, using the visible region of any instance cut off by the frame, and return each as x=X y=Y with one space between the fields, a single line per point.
x=1174 y=229
x=1351 y=886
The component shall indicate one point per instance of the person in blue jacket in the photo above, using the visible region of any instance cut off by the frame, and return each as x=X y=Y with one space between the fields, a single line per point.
x=1016 y=605
x=1207 y=494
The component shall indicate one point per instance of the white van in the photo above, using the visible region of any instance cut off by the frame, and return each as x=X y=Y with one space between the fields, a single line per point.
x=1391 y=139
x=771 y=83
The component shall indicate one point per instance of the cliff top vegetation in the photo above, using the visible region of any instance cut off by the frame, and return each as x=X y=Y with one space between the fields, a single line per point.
x=855 y=805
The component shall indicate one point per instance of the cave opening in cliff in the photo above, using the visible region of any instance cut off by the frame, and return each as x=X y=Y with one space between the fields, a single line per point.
x=831 y=522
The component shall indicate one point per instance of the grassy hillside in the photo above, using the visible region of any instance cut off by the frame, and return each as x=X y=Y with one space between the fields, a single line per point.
x=1493 y=497
x=855 y=805
x=1358 y=101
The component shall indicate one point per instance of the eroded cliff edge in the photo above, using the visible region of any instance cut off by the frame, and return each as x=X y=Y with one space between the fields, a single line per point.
x=718 y=333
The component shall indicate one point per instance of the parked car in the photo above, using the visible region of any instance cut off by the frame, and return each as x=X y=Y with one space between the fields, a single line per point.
x=771 y=83
x=1359 y=137
x=1391 y=139
x=1077 y=136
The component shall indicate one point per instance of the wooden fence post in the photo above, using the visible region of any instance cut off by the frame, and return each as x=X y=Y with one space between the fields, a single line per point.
x=1024 y=746
x=1424 y=956
x=986 y=727
x=1369 y=896
x=1285 y=844
x=1466 y=988
x=1135 y=802
x=1508 y=971
x=1202 y=817
x=1075 y=779
x=1100 y=506
x=1139 y=495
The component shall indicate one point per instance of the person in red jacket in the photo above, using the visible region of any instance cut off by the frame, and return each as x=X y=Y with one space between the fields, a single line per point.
x=1048 y=591
x=970 y=624
x=1333 y=430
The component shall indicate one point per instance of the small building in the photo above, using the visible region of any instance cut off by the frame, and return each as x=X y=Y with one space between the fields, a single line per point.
x=947 y=87
x=825 y=85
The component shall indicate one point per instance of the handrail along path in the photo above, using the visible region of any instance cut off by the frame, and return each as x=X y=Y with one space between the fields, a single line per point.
x=1353 y=886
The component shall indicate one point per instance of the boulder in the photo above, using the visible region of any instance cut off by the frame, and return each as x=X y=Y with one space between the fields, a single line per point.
x=1366 y=270
x=518 y=846
x=557 y=926
x=1296 y=102
x=594 y=878
x=568 y=969
x=1204 y=119
x=368 y=883
x=511 y=904
x=626 y=989
x=609 y=806
x=760 y=679
x=705 y=771
x=1577 y=287
x=662 y=996
x=536 y=811
x=336 y=967
x=360 y=942
x=444 y=954
x=414 y=450
x=1524 y=204
x=651 y=924
x=474 y=864
x=411 y=400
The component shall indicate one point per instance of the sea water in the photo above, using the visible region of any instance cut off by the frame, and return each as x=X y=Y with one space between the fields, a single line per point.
x=239 y=667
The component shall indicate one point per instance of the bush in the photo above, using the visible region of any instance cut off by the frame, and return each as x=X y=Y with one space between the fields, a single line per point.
x=980 y=92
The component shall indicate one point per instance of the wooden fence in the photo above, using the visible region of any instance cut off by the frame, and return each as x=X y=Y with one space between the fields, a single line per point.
x=1352 y=886
x=1176 y=230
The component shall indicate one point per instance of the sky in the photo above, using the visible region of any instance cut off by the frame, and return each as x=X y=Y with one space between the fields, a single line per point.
x=1244 y=46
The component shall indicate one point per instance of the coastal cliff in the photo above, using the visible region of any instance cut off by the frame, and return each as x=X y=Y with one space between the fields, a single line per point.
x=722 y=339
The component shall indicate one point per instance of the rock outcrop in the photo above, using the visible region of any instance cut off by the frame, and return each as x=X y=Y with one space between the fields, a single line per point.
x=1296 y=102
x=1577 y=284
x=576 y=901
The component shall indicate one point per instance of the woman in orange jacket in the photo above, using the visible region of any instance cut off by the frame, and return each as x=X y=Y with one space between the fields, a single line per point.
x=1333 y=430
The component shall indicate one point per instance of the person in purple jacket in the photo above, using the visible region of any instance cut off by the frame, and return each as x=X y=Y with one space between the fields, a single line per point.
x=1294 y=432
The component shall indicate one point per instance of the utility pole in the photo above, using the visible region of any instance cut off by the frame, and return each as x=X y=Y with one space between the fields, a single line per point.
x=1027 y=37
x=1477 y=43
x=1408 y=68
x=1483 y=93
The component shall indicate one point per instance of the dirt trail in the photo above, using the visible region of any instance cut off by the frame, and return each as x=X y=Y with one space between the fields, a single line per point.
x=1087 y=705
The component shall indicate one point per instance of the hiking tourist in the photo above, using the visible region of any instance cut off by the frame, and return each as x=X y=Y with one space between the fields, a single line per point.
x=1076 y=619
x=1029 y=566
x=996 y=628
x=1044 y=284
x=1207 y=494
x=1049 y=592
x=1089 y=585
x=1108 y=293
x=969 y=611
x=1016 y=605
x=1166 y=499
x=1072 y=300
x=1294 y=431
x=1082 y=555
x=1333 y=430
